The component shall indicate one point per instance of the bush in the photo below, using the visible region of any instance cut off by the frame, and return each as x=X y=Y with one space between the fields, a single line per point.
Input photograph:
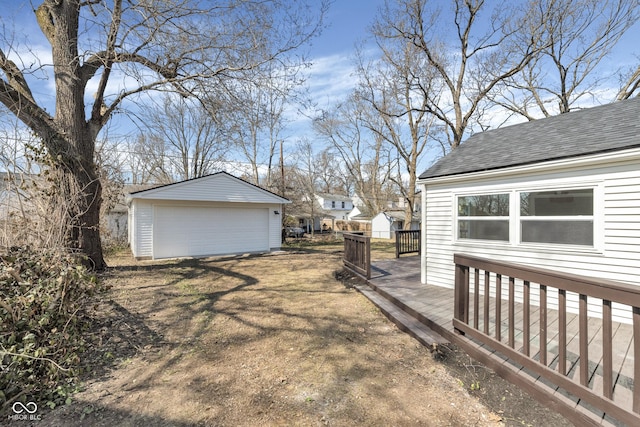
x=43 y=297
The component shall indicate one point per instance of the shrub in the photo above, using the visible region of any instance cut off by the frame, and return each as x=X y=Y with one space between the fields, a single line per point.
x=43 y=301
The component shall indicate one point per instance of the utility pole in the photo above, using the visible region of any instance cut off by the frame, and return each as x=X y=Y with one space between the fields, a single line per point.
x=284 y=217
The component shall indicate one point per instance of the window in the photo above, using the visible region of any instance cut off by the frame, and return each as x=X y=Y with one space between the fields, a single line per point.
x=342 y=205
x=564 y=217
x=333 y=204
x=484 y=217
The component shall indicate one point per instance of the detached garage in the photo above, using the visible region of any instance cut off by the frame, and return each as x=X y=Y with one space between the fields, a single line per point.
x=217 y=214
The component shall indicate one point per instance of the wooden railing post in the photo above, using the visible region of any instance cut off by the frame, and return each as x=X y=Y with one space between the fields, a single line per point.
x=461 y=293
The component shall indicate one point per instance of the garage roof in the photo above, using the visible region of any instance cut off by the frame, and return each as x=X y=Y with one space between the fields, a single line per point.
x=217 y=187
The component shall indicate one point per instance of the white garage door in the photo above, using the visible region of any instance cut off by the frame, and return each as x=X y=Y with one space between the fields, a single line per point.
x=194 y=231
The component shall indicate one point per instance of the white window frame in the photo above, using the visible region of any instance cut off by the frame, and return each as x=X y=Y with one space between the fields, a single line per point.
x=515 y=238
x=596 y=218
x=457 y=217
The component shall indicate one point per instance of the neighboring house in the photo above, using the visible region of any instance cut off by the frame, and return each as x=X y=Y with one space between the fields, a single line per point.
x=213 y=215
x=360 y=216
x=333 y=207
x=561 y=193
x=358 y=212
x=385 y=224
x=116 y=218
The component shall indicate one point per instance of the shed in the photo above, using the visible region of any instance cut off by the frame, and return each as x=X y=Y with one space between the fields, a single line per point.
x=213 y=215
x=561 y=193
x=385 y=224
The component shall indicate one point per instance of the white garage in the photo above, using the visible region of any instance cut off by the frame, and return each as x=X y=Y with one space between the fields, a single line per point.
x=214 y=215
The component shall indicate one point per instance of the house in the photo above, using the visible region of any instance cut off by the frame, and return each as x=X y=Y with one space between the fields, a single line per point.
x=386 y=223
x=115 y=218
x=561 y=193
x=333 y=207
x=213 y=215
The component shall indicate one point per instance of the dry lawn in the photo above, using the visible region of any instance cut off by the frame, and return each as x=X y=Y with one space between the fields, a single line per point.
x=256 y=340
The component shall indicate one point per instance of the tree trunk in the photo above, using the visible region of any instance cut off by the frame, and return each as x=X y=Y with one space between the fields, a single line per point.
x=73 y=147
x=75 y=203
x=85 y=225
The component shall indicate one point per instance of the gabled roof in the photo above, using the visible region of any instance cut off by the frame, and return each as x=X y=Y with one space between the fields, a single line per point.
x=121 y=204
x=398 y=215
x=217 y=187
x=601 y=129
x=336 y=197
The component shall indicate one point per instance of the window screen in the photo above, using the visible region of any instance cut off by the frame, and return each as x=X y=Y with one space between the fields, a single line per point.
x=484 y=217
x=564 y=217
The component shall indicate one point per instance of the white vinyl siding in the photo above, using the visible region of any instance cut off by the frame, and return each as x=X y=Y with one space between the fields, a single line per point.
x=142 y=230
x=615 y=254
x=381 y=227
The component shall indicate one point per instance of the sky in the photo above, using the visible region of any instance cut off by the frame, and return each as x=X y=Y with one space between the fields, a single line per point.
x=330 y=77
x=331 y=53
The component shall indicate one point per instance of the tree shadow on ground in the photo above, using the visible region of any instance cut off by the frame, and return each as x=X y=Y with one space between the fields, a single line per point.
x=83 y=414
x=250 y=337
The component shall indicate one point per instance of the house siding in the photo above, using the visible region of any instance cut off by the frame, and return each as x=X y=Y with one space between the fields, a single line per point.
x=142 y=232
x=616 y=255
x=381 y=227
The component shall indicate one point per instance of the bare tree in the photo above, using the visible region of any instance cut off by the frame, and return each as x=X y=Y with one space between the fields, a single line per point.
x=578 y=35
x=472 y=49
x=256 y=113
x=331 y=177
x=190 y=142
x=137 y=163
x=630 y=84
x=394 y=87
x=174 y=45
x=305 y=181
x=366 y=160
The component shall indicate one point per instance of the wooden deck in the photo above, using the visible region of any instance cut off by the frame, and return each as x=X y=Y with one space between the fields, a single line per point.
x=426 y=312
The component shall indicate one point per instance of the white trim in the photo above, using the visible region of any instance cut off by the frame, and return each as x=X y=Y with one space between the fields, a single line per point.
x=423 y=237
x=514 y=242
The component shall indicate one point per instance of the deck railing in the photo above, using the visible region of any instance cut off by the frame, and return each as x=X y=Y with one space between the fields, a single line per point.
x=407 y=242
x=598 y=363
x=357 y=254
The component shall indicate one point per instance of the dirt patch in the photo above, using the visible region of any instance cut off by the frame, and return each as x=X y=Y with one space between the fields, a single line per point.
x=266 y=340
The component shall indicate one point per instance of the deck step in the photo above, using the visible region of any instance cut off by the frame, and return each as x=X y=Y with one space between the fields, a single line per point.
x=404 y=321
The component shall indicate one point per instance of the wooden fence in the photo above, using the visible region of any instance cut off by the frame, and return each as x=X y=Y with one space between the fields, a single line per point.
x=357 y=254
x=592 y=357
x=407 y=242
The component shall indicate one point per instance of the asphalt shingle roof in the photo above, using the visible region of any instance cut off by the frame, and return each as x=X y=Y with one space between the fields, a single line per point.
x=610 y=127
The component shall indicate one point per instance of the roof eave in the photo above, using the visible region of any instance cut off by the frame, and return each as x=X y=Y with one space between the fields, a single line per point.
x=617 y=156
